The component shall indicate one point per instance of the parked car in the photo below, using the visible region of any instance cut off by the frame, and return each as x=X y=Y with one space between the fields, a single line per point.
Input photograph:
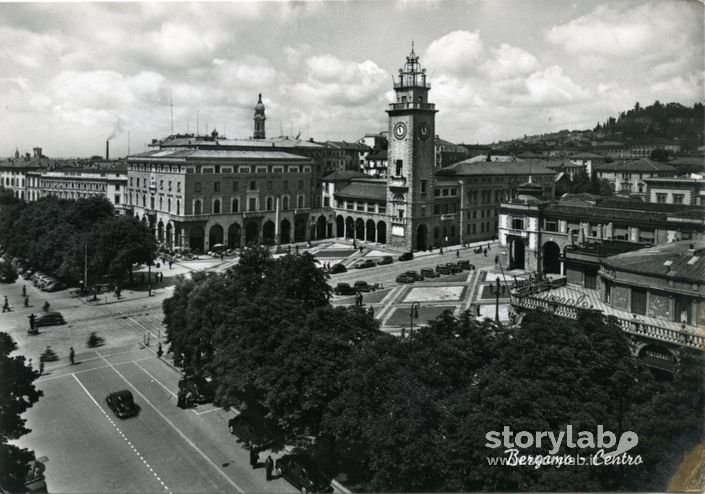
x=252 y=429
x=465 y=264
x=406 y=256
x=363 y=286
x=385 y=260
x=338 y=268
x=368 y=263
x=49 y=319
x=122 y=404
x=429 y=273
x=201 y=388
x=443 y=269
x=454 y=268
x=303 y=473
x=344 y=289
x=54 y=286
x=405 y=278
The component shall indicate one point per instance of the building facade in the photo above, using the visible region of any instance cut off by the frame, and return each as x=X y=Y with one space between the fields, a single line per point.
x=627 y=177
x=676 y=190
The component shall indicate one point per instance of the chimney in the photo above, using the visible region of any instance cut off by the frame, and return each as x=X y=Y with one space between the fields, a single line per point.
x=107 y=150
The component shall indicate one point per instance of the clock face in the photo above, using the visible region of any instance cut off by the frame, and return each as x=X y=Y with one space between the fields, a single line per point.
x=400 y=130
x=424 y=130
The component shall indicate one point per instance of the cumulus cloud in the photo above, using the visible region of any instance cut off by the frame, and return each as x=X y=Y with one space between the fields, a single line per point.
x=456 y=53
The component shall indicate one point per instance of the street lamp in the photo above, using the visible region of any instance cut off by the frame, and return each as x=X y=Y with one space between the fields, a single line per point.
x=497 y=289
x=413 y=314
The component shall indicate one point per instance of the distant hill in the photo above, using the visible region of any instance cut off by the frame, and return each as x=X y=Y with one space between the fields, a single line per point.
x=671 y=121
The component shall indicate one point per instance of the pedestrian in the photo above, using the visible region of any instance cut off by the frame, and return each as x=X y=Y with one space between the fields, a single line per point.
x=6 y=305
x=26 y=301
x=41 y=365
x=457 y=253
x=489 y=247
x=403 y=333
x=32 y=317
x=485 y=251
x=24 y=290
x=354 y=244
x=269 y=467
x=441 y=250
x=170 y=263
x=297 y=249
x=160 y=352
x=161 y=277
x=72 y=356
x=254 y=456
x=361 y=247
x=496 y=259
x=181 y=399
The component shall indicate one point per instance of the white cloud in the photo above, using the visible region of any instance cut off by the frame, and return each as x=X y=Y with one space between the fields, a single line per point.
x=509 y=61
x=455 y=53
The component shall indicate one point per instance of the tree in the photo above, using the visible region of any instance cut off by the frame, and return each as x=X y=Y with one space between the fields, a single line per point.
x=8 y=273
x=18 y=395
x=659 y=155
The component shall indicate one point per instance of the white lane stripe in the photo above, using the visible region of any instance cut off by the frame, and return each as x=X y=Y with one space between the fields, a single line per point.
x=155 y=379
x=116 y=427
x=208 y=411
x=178 y=431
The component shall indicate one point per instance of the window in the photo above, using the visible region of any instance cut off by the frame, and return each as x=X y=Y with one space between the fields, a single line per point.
x=423 y=186
x=678 y=198
x=454 y=192
x=216 y=186
x=197 y=187
x=130 y=181
x=117 y=186
x=178 y=207
x=216 y=206
x=285 y=202
x=138 y=181
x=117 y=198
x=270 y=203
x=169 y=185
x=300 y=202
x=445 y=192
x=161 y=184
x=398 y=164
x=236 y=187
x=661 y=198
x=285 y=185
x=197 y=207
x=253 y=185
x=178 y=186
x=436 y=192
x=638 y=301
x=252 y=204
x=168 y=205
x=360 y=206
x=517 y=224
x=551 y=226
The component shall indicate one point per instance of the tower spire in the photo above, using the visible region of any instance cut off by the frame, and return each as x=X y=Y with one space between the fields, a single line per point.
x=259 y=119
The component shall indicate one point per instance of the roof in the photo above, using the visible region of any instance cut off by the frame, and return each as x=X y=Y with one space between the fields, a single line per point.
x=207 y=142
x=380 y=154
x=643 y=165
x=612 y=209
x=180 y=154
x=586 y=156
x=373 y=189
x=358 y=146
x=674 y=260
x=470 y=167
x=344 y=175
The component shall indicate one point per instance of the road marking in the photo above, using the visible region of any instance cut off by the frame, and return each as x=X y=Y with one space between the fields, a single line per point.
x=155 y=379
x=92 y=368
x=178 y=431
x=207 y=411
x=119 y=431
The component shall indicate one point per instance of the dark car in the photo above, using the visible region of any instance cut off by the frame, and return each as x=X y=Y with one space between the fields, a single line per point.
x=465 y=264
x=252 y=429
x=49 y=319
x=344 y=289
x=443 y=269
x=429 y=273
x=363 y=286
x=454 y=268
x=404 y=278
x=53 y=286
x=385 y=260
x=122 y=403
x=406 y=256
x=202 y=390
x=303 y=473
x=338 y=268
x=369 y=263
x=415 y=275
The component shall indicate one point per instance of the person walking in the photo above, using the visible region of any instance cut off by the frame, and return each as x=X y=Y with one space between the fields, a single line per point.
x=26 y=301
x=24 y=290
x=41 y=365
x=485 y=251
x=72 y=356
x=457 y=253
x=160 y=352
x=32 y=318
x=254 y=456
x=269 y=467
x=6 y=305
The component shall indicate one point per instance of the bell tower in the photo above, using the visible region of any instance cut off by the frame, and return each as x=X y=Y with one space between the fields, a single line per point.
x=411 y=153
x=259 y=119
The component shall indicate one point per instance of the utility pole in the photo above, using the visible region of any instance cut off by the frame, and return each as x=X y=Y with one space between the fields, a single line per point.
x=85 y=267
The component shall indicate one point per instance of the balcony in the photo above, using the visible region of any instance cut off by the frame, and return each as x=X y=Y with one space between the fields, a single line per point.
x=450 y=216
x=399 y=221
x=397 y=182
x=412 y=105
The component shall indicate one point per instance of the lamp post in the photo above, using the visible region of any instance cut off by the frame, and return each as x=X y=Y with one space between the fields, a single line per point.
x=149 y=278
x=497 y=289
x=413 y=314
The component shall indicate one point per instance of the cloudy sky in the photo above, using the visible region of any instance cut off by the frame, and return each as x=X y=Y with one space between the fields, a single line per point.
x=73 y=74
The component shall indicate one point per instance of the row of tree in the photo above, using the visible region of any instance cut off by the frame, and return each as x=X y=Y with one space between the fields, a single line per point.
x=411 y=414
x=57 y=236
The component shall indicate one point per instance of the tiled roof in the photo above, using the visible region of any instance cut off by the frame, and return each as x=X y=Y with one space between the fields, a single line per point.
x=273 y=142
x=622 y=212
x=217 y=154
x=673 y=261
x=344 y=175
x=348 y=145
x=643 y=165
x=586 y=156
x=380 y=154
x=469 y=167
x=372 y=189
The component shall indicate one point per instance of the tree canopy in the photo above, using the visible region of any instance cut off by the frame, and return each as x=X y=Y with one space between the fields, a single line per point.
x=18 y=395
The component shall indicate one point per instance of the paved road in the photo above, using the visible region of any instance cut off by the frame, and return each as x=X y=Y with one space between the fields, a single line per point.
x=163 y=449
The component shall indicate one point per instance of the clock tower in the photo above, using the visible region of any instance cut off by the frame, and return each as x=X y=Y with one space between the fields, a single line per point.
x=411 y=153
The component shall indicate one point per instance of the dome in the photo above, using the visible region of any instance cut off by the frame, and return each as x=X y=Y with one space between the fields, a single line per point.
x=259 y=107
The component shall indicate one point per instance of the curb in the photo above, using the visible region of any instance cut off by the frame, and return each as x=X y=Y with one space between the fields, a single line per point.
x=340 y=487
